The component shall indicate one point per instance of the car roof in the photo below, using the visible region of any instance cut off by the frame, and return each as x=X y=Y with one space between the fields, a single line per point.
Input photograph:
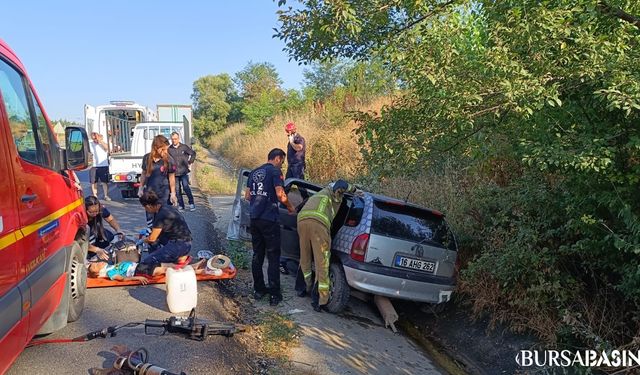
x=377 y=197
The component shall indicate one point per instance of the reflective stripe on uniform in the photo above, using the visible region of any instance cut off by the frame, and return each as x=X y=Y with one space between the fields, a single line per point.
x=317 y=213
x=323 y=286
x=306 y=214
x=307 y=275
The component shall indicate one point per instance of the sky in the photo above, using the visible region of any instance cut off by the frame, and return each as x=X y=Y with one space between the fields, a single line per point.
x=151 y=52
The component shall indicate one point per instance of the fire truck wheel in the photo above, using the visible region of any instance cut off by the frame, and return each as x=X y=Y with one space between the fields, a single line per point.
x=77 y=283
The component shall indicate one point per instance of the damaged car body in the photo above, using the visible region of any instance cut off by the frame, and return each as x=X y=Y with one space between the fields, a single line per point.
x=380 y=245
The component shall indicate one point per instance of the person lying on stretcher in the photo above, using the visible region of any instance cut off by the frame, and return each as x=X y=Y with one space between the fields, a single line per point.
x=133 y=271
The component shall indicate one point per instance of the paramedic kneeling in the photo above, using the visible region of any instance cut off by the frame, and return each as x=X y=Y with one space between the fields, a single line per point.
x=170 y=237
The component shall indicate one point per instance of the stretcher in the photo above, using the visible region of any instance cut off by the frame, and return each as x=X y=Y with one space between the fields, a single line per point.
x=227 y=273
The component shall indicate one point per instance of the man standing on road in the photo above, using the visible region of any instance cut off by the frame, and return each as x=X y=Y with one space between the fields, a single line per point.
x=264 y=189
x=184 y=156
x=314 y=230
x=100 y=170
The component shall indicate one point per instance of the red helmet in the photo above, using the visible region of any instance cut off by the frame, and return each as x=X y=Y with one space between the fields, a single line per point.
x=290 y=127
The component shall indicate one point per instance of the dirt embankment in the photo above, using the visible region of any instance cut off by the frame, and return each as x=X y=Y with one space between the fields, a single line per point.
x=456 y=342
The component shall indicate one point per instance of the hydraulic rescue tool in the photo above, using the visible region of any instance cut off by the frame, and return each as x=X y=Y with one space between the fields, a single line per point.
x=131 y=363
x=192 y=327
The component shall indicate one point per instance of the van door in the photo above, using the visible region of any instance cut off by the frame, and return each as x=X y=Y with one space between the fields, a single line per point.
x=298 y=192
x=90 y=119
x=239 y=225
x=40 y=198
x=13 y=328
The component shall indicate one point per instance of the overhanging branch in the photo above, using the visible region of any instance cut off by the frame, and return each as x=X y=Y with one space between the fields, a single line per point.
x=422 y=18
x=619 y=13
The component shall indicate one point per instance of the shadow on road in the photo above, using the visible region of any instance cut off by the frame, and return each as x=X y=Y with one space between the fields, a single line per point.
x=150 y=295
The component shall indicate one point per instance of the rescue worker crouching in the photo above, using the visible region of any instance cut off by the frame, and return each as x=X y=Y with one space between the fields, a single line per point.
x=314 y=230
x=170 y=237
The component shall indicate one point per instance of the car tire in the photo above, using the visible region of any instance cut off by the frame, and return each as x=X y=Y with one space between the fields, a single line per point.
x=340 y=291
x=76 y=283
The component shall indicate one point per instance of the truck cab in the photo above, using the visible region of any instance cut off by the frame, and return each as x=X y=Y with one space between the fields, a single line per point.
x=126 y=168
x=43 y=237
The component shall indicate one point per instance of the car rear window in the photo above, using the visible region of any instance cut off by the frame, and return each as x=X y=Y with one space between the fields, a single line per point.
x=411 y=224
x=356 y=208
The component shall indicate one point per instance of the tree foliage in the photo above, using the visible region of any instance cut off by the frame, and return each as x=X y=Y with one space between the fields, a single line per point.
x=551 y=86
x=323 y=78
x=257 y=78
x=360 y=80
x=262 y=94
x=211 y=97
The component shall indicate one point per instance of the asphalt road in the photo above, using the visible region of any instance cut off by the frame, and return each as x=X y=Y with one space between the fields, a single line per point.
x=117 y=305
x=355 y=342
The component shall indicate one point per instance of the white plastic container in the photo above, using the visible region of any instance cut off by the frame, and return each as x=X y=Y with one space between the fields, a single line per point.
x=182 y=289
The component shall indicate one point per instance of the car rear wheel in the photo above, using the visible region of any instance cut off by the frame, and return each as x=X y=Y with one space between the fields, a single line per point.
x=77 y=283
x=340 y=290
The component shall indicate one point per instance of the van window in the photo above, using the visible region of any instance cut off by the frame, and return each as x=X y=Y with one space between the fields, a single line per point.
x=15 y=101
x=34 y=143
x=150 y=133
x=44 y=136
x=411 y=224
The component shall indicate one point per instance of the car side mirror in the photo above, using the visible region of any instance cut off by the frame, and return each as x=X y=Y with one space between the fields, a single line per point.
x=77 y=148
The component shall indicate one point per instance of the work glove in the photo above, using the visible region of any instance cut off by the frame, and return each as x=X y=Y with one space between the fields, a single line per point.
x=291 y=137
x=140 y=191
x=173 y=199
x=102 y=254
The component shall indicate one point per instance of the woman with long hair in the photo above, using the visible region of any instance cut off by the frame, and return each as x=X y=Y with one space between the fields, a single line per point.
x=159 y=173
x=99 y=237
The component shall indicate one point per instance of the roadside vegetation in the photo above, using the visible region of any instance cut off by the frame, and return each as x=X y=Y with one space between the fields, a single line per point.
x=213 y=179
x=279 y=334
x=238 y=252
x=517 y=119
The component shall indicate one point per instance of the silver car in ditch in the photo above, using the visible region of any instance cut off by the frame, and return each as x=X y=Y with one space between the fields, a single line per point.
x=381 y=245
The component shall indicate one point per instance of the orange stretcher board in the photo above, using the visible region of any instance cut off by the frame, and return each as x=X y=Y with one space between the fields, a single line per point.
x=227 y=273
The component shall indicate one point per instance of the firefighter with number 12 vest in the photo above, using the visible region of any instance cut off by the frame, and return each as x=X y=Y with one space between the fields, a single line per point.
x=314 y=230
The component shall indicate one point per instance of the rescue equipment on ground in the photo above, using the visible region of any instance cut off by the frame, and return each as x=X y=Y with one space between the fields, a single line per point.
x=204 y=254
x=218 y=261
x=125 y=251
x=182 y=289
x=191 y=326
x=132 y=363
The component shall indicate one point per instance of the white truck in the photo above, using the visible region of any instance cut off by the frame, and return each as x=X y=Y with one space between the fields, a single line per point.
x=129 y=129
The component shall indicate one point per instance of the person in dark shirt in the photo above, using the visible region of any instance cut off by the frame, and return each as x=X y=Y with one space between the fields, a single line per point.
x=170 y=237
x=264 y=190
x=184 y=156
x=158 y=173
x=99 y=236
x=296 y=150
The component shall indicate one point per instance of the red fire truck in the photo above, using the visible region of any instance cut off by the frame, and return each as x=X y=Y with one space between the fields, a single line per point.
x=43 y=239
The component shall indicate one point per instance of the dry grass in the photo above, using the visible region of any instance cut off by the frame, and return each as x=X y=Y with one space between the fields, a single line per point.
x=214 y=181
x=332 y=151
x=279 y=335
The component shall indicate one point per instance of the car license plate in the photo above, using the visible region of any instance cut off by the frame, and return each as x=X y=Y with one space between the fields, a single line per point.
x=415 y=264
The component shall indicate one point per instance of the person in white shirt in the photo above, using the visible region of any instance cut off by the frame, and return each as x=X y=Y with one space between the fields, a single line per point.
x=100 y=170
